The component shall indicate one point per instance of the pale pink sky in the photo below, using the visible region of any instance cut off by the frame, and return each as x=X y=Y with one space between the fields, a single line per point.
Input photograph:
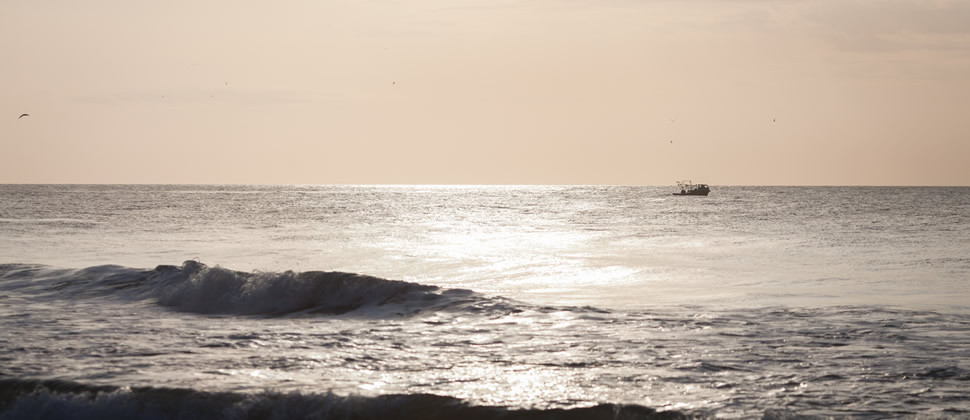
x=636 y=92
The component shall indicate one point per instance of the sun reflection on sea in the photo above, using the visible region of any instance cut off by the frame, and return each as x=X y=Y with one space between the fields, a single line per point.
x=527 y=386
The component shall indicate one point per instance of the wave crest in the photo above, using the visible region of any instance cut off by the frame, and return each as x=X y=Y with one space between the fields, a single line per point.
x=195 y=287
x=25 y=398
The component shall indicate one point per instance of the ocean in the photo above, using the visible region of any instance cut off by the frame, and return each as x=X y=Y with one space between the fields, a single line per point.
x=483 y=302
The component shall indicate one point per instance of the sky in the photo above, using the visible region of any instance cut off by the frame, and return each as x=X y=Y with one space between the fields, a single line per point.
x=624 y=92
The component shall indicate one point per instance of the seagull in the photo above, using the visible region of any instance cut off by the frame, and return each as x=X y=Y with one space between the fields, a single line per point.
x=23 y=115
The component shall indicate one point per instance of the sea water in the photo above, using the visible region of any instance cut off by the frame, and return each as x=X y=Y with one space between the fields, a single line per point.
x=236 y=301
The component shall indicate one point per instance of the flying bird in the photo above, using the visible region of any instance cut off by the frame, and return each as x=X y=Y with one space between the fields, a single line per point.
x=23 y=115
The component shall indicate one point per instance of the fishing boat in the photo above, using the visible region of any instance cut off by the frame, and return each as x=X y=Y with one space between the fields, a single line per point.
x=689 y=188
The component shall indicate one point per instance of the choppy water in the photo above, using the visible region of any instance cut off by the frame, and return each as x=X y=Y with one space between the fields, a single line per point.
x=483 y=302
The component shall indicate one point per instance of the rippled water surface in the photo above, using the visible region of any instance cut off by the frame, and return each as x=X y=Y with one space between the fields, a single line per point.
x=753 y=301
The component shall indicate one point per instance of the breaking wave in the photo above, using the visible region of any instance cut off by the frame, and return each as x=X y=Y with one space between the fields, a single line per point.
x=196 y=287
x=24 y=398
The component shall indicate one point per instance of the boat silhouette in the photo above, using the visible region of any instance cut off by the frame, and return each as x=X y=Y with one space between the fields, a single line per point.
x=689 y=188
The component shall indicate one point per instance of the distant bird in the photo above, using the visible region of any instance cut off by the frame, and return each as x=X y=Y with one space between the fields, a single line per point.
x=23 y=115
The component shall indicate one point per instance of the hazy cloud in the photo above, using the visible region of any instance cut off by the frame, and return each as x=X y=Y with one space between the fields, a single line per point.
x=894 y=25
x=221 y=95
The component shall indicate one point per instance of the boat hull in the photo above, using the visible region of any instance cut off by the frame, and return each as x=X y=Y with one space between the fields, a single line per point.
x=690 y=188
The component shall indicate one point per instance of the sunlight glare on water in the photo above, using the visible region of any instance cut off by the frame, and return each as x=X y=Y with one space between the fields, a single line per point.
x=752 y=301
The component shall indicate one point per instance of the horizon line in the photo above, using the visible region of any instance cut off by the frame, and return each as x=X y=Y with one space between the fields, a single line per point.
x=487 y=185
